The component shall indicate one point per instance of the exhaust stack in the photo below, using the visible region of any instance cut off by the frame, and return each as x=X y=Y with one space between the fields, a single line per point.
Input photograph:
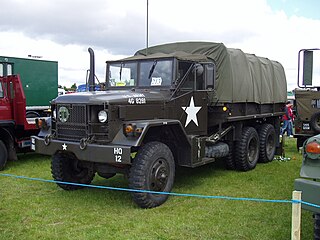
x=91 y=81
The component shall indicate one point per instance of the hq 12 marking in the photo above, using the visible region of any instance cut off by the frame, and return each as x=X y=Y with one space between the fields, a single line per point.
x=117 y=151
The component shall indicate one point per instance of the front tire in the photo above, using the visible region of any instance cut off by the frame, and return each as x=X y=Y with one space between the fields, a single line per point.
x=66 y=167
x=267 y=137
x=247 y=150
x=152 y=169
x=3 y=155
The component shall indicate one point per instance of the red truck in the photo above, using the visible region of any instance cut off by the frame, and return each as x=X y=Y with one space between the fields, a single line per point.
x=15 y=127
x=26 y=88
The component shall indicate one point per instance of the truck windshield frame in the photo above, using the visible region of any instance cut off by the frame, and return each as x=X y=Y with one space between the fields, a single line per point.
x=151 y=73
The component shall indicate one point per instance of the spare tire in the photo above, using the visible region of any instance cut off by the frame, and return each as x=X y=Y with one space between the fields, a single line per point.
x=315 y=122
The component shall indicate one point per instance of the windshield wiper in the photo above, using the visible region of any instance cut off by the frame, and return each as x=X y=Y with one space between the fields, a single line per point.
x=120 y=73
x=152 y=68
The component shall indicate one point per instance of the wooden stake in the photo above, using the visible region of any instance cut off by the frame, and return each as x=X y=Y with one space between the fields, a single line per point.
x=296 y=216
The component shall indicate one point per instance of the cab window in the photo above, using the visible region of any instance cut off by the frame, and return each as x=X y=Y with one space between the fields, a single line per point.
x=1 y=90
x=155 y=73
x=1 y=69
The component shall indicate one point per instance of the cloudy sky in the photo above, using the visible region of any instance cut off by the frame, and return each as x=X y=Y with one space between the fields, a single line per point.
x=62 y=30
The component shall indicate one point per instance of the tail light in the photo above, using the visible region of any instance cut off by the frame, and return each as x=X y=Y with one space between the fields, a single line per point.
x=313 y=147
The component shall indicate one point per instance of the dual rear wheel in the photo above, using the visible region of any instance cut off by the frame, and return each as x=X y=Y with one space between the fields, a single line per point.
x=254 y=146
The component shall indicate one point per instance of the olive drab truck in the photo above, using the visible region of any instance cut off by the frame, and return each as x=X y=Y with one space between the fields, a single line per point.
x=307 y=127
x=26 y=88
x=307 y=96
x=181 y=104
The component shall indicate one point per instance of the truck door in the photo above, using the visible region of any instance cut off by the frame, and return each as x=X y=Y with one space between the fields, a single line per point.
x=191 y=105
x=5 y=106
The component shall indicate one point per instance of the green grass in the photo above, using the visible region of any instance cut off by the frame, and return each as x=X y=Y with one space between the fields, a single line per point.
x=37 y=210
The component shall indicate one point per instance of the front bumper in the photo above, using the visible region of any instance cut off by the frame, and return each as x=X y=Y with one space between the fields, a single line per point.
x=310 y=193
x=116 y=154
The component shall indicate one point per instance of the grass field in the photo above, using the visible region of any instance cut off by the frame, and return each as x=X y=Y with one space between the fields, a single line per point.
x=38 y=210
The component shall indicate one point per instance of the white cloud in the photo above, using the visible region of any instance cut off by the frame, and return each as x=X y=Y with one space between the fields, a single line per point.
x=63 y=30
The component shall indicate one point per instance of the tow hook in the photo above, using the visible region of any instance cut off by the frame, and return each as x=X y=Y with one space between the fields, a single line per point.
x=47 y=139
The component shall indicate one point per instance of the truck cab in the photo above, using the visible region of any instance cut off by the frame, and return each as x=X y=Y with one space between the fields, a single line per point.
x=26 y=88
x=15 y=127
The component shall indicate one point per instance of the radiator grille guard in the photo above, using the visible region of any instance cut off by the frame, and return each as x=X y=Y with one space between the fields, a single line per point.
x=78 y=124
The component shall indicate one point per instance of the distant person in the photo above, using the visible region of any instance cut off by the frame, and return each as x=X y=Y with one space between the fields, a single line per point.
x=287 y=118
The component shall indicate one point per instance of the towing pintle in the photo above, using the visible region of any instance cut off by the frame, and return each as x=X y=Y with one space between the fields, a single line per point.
x=91 y=81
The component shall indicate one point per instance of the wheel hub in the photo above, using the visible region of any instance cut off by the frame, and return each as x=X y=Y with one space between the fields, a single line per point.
x=159 y=176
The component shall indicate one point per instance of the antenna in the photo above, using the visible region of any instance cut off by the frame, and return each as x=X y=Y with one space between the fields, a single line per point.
x=147 y=40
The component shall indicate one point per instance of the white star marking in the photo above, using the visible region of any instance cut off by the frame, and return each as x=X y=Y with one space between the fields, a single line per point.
x=191 y=111
x=64 y=146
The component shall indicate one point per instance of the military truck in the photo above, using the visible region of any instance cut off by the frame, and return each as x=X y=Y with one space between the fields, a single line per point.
x=180 y=104
x=307 y=97
x=307 y=129
x=26 y=88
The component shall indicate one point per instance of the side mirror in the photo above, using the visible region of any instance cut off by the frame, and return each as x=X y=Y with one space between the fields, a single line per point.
x=209 y=74
x=307 y=67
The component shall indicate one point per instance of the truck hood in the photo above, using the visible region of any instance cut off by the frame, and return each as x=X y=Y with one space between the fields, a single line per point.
x=113 y=97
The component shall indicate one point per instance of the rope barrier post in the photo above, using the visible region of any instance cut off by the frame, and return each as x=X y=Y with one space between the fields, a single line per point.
x=296 y=216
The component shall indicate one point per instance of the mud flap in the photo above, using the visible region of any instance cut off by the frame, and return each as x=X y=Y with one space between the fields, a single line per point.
x=12 y=154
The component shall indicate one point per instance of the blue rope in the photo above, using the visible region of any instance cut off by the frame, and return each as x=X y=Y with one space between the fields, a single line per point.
x=165 y=193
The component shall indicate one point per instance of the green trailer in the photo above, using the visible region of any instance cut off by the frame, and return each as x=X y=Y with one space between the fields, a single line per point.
x=39 y=79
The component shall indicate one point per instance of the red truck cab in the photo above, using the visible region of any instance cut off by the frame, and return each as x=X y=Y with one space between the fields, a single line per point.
x=15 y=128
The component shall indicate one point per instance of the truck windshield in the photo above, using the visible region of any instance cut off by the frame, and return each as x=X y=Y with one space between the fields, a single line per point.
x=123 y=74
x=150 y=73
x=155 y=73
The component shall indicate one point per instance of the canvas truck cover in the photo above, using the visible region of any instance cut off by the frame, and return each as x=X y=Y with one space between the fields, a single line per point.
x=240 y=77
x=307 y=103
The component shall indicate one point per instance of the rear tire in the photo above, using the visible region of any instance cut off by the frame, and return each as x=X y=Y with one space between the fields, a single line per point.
x=152 y=169
x=267 y=137
x=315 y=122
x=3 y=155
x=229 y=159
x=66 y=167
x=247 y=150
x=300 y=141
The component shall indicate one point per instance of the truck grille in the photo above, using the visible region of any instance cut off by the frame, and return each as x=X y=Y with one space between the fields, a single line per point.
x=77 y=123
x=75 y=127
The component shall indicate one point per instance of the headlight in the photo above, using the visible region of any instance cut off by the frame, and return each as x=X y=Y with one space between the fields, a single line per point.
x=54 y=114
x=103 y=116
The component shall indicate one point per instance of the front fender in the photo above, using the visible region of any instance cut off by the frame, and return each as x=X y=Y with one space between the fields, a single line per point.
x=121 y=139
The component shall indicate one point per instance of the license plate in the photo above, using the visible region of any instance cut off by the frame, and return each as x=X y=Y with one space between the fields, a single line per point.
x=306 y=126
